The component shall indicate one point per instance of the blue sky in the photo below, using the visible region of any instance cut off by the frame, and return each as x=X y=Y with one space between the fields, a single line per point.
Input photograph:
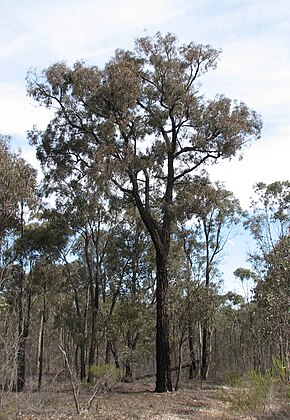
x=254 y=67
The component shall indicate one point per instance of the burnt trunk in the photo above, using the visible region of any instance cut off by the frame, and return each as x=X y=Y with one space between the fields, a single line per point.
x=163 y=370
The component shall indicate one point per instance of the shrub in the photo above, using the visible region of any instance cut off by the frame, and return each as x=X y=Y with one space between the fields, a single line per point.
x=257 y=393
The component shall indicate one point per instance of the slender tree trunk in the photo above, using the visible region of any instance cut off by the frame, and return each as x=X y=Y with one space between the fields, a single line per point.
x=23 y=328
x=205 y=352
x=41 y=340
x=192 y=367
x=179 y=366
x=93 y=344
x=82 y=362
x=163 y=371
x=206 y=336
x=94 y=301
x=81 y=346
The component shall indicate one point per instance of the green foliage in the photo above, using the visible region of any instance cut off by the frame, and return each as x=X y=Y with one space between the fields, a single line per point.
x=281 y=370
x=98 y=372
x=17 y=185
x=251 y=393
x=257 y=393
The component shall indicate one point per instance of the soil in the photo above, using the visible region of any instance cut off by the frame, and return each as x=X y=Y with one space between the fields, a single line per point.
x=122 y=401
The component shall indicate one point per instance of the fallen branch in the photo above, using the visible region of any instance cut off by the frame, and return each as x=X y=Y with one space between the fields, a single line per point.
x=71 y=379
x=101 y=382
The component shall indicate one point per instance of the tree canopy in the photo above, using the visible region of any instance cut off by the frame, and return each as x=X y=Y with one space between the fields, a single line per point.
x=140 y=127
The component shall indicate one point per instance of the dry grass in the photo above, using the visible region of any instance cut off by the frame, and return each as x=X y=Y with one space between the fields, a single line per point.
x=122 y=401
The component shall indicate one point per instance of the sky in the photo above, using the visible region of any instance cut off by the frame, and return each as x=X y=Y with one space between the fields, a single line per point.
x=254 y=36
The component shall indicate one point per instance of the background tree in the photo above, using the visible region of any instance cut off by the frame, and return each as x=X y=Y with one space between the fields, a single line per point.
x=213 y=212
x=269 y=224
x=17 y=195
x=17 y=190
x=142 y=125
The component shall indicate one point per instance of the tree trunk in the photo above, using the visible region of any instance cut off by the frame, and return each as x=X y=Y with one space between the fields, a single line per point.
x=180 y=344
x=82 y=329
x=94 y=302
x=205 y=352
x=163 y=371
x=192 y=368
x=23 y=328
x=82 y=362
x=41 y=340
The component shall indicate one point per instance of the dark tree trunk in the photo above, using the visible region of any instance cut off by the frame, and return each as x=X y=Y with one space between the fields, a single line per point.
x=82 y=362
x=192 y=368
x=23 y=328
x=94 y=302
x=205 y=352
x=163 y=368
x=93 y=343
x=41 y=339
x=82 y=347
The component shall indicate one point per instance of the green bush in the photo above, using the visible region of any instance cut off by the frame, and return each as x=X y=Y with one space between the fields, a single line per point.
x=256 y=392
x=98 y=372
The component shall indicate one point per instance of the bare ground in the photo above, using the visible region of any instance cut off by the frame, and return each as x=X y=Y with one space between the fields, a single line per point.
x=122 y=401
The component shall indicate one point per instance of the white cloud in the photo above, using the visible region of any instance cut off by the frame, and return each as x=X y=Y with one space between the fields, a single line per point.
x=72 y=29
x=18 y=112
x=266 y=160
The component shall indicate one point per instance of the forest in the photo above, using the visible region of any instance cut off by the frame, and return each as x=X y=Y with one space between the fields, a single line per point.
x=111 y=264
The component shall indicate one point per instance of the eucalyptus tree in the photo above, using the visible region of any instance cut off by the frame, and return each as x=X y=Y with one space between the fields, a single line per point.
x=215 y=211
x=269 y=219
x=142 y=127
x=43 y=242
x=272 y=299
x=128 y=266
x=269 y=224
x=17 y=190
x=90 y=217
x=17 y=195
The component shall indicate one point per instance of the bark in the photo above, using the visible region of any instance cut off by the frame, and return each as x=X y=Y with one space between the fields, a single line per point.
x=82 y=347
x=82 y=362
x=41 y=340
x=23 y=328
x=94 y=303
x=192 y=367
x=206 y=336
x=179 y=367
x=205 y=352
x=163 y=371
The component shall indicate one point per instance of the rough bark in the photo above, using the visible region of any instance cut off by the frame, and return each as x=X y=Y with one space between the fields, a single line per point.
x=163 y=371
x=41 y=340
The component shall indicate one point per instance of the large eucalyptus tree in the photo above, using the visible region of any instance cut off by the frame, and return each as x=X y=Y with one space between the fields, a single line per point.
x=141 y=127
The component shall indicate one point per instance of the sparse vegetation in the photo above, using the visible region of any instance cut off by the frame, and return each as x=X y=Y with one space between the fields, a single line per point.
x=260 y=394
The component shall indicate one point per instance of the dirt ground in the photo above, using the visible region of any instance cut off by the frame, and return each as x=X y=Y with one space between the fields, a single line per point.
x=122 y=401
